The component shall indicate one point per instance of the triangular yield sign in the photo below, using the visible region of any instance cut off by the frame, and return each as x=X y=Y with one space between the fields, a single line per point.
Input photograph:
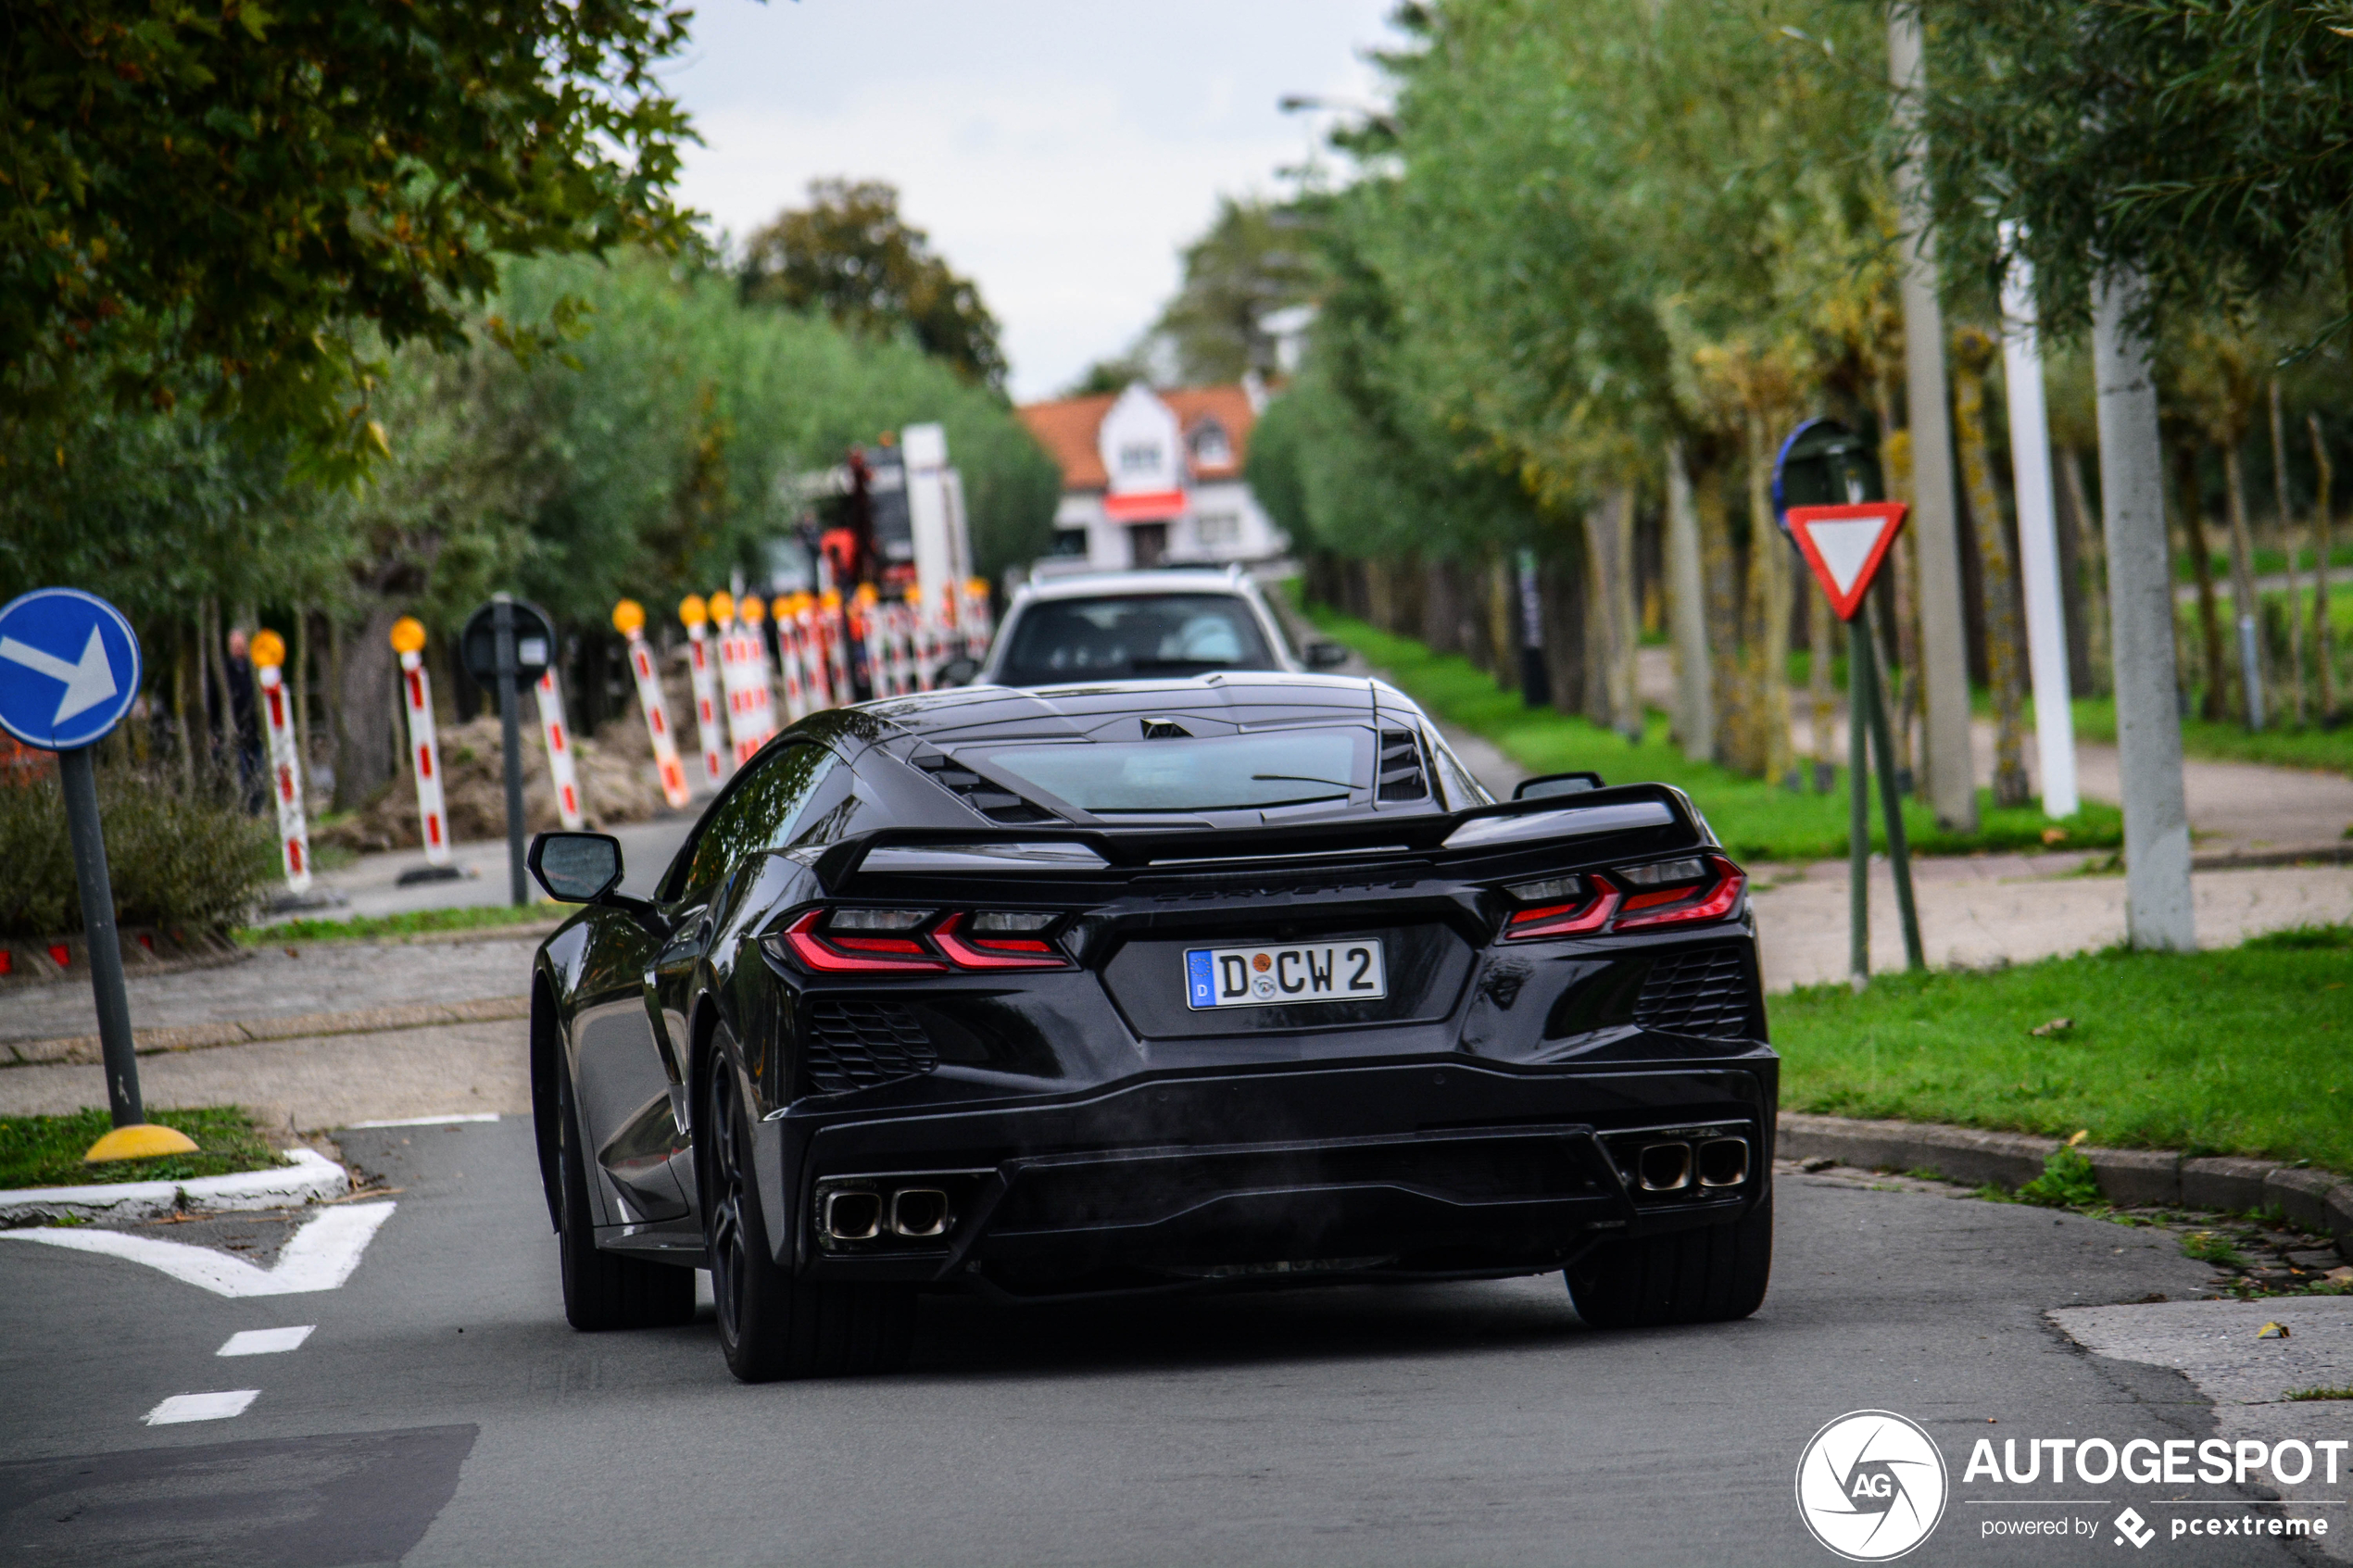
x=1844 y=546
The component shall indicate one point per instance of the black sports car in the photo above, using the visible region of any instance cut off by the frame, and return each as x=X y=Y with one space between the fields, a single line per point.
x=1239 y=980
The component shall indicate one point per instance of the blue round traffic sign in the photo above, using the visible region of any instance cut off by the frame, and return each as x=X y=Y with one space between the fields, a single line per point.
x=68 y=668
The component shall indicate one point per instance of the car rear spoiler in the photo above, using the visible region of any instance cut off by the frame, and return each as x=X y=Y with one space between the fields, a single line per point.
x=1661 y=815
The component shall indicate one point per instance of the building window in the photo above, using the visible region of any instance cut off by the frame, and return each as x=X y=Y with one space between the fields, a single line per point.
x=1212 y=448
x=1069 y=542
x=1219 y=530
x=1140 y=456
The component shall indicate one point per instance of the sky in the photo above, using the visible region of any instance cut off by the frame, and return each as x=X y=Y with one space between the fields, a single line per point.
x=1060 y=153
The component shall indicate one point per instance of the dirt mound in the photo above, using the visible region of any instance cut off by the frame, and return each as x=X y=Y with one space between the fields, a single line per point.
x=617 y=784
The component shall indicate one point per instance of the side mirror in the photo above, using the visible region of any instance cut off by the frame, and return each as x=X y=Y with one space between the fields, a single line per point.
x=1326 y=656
x=575 y=867
x=1545 y=786
x=959 y=672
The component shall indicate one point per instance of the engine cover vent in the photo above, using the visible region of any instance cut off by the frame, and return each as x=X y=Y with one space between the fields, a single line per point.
x=985 y=795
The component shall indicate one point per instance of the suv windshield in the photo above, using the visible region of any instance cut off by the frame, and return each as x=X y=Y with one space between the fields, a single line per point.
x=1138 y=636
x=1205 y=773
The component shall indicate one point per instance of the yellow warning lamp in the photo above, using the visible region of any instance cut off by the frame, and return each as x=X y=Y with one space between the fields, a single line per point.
x=977 y=585
x=268 y=650
x=751 y=610
x=693 y=611
x=802 y=603
x=866 y=595
x=723 y=607
x=914 y=592
x=629 y=618
x=830 y=598
x=407 y=635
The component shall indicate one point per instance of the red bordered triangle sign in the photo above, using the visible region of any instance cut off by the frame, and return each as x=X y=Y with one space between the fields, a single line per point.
x=1844 y=546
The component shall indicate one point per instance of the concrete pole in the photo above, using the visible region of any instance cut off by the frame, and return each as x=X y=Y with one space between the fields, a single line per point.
x=1952 y=782
x=2140 y=589
x=2038 y=542
x=1687 y=604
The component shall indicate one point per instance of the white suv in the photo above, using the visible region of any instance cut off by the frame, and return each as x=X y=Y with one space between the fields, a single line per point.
x=1142 y=626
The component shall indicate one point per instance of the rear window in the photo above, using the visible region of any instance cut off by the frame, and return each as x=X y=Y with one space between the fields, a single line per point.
x=1198 y=773
x=1138 y=636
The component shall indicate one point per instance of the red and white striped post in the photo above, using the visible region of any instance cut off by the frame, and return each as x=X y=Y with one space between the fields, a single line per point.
x=975 y=619
x=629 y=620
x=835 y=626
x=268 y=652
x=560 y=770
x=424 y=747
x=710 y=729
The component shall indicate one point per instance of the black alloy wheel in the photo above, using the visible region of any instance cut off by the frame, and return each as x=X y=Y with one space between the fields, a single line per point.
x=771 y=1324
x=607 y=1290
x=1710 y=1275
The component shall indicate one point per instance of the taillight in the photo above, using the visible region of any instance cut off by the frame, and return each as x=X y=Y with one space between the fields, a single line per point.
x=972 y=949
x=1707 y=887
x=1712 y=898
x=918 y=941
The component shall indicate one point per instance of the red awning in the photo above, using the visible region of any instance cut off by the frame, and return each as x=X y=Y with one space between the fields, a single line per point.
x=1154 y=506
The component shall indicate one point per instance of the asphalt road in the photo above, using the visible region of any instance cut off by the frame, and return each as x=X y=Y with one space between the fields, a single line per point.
x=442 y=1412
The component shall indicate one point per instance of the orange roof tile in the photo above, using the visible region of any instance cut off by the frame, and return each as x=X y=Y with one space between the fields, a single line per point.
x=1066 y=429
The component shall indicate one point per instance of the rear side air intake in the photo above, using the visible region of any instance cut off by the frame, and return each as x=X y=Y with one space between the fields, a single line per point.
x=1400 y=767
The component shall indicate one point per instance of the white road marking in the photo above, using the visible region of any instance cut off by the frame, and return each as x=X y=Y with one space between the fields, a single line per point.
x=202 y=1407
x=265 y=1341
x=319 y=1256
x=431 y=1121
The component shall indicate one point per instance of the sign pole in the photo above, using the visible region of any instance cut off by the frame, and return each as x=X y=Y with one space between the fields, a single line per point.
x=510 y=741
x=1899 y=854
x=80 y=781
x=1859 y=812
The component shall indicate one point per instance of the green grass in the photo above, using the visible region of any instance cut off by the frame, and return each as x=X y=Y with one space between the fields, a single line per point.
x=2268 y=561
x=2246 y=1050
x=1755 y=820
x=2317 y=749
x=2302 y=1394
x=415 y=923
x=44 y=1151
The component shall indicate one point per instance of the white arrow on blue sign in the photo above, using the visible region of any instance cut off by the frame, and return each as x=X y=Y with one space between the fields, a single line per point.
x=68 y=668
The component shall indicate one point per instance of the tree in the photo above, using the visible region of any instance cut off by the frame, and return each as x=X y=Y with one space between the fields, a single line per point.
x=849 y=255
x=243 y=204
x=1253 y=260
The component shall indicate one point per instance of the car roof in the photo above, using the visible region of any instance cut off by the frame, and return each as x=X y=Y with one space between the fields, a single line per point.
x=1108 y=585
x=1257 y=699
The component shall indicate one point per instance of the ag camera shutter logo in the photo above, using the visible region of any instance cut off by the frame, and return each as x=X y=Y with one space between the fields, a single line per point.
x=1871 y=1486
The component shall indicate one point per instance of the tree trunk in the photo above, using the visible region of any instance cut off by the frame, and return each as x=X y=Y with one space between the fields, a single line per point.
x=2212 y=700
x=2288 y=546
x=1442 y=609
x=1904 y=597
x=2244 y=610
x=2324 y=541
x=1502 y=647
x=2091 y=565
x=1770 y=599
x=2004 y=664
x=1560 y=585
x=365 y=750
x=1687 y=613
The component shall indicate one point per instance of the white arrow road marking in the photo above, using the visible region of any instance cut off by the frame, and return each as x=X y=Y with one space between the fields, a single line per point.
x=320 y=1256
x=88 y=684
x=202 y=1407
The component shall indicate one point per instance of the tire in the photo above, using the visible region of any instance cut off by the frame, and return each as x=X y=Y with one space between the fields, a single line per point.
x=771 y=1324
x=607 y=1290
x=1716 y=1274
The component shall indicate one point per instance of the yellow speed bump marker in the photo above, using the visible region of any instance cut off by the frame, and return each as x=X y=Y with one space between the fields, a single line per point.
x=268 y=650
x=141 y=1140
x=407 y=635
x=628 y=615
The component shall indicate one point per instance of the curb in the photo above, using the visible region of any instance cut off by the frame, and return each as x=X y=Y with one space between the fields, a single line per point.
x=311 y=1176
x=2321 y=1202
x=83 y=1049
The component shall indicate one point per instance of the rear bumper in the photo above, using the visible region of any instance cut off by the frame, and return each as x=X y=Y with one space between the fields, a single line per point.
x=1432 y=1168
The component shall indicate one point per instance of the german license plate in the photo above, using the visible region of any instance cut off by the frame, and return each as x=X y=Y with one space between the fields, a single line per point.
x=1348 y=971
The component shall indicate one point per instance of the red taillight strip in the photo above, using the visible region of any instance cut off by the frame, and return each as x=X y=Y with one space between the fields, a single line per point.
x=1721 y=900
x=1006 y=952
x=868 y=954
x=1565 y=920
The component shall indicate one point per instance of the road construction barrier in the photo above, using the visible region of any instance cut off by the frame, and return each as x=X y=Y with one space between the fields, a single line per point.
x=629 y=620
x=972 y=620
x=560 y=770
x=710 y=733
x=268 y=653
x=743 y=679
x=424 y=747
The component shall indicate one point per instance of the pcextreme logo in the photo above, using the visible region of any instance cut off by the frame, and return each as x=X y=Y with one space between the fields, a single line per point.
x=1870 y=1486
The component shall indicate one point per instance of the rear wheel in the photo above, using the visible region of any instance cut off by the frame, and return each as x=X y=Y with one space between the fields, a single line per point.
x=1709 y=1275
x=771 y=1324
x=603 y=1289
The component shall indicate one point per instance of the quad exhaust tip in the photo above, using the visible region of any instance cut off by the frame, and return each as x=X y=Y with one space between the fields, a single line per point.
x=1676 y=1165
x=1663 y=1167
x=1723 y=1162
x=866 y=1215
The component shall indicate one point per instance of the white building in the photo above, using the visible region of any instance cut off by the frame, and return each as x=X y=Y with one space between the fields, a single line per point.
x=1151 y=477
